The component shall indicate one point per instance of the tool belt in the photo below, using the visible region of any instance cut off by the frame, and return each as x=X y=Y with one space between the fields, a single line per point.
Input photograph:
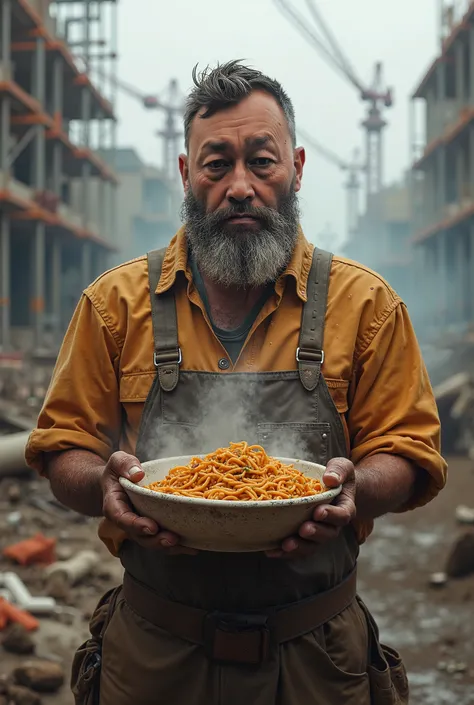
x=238 y=637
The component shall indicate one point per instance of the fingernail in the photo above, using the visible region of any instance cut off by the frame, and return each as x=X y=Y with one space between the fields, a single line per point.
x=134 y=471
x=149 y=531
x=322 y=515
x=335 y=475
x=310 y=530
x=165 y=543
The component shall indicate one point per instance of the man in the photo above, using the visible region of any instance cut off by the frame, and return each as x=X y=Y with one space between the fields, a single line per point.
x=239 y=331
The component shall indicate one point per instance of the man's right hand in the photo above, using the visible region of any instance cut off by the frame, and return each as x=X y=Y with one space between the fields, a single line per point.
x=118 y=510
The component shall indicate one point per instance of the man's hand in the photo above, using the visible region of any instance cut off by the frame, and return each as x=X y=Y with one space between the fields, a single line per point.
x=117 y=507
x=328 y=519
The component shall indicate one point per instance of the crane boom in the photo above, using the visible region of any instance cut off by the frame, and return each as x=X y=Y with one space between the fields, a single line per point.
x=322 y=150
x=330 y=37
x=336 y=59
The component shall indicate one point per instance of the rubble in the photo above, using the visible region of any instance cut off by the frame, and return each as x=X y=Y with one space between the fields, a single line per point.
x=19 y=695
x=438 y=580
x=464 y=515
x=18 y=640
x=460 y=561
x=37 y=549
x=40 y=676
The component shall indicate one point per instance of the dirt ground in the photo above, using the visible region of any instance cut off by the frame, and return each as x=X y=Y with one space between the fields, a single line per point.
x=432 y=627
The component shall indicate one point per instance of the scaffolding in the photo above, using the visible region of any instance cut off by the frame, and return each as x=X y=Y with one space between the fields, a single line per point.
x=442 y=143
x=56 y=193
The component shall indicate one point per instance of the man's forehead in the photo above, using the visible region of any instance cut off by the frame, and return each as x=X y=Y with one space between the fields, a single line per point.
x=257 y=119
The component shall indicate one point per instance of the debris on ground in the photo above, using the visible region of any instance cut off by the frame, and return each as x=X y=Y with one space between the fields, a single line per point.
x=10 y=614
x=19 y=695
x=438 y=580
x=38 y=549
x=18 y=640
x=460 y=561
x=464 y=515
x=40 y=676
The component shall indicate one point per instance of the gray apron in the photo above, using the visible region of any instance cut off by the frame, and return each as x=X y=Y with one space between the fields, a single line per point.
x=291 y=413
x=129 y=659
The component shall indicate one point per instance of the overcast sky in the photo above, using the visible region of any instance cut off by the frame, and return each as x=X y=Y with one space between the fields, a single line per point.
x=160 y=39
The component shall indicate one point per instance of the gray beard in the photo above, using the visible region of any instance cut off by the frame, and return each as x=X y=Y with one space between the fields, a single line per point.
x=239 y=256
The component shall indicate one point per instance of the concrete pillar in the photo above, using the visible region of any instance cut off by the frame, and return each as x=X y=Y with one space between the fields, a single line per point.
x=58 y=83
x=470 y=273
x=460 y=190
x=470 y=158
x=5 y=302
x=39 y=264
x=56 y=273
x=441 y=183
x=458 y=278
x=442 y=282
x=4 y=134
x=6 y=32
x=441 y=97
x=471 y=64
x=86 y=264
x=459 y=73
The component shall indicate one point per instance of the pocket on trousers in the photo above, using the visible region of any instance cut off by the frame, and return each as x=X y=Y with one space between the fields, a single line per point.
x=387 y=673
x=85 y=675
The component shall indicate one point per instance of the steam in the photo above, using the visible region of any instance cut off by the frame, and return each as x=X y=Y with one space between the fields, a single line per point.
x=205 y=413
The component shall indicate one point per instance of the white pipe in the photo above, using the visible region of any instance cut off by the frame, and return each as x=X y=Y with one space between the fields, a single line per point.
x=76 y=568
x=12 y=453
x=22 y=597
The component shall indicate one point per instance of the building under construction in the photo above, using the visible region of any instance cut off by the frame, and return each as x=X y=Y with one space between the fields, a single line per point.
x=443 y=173
x=53 y=123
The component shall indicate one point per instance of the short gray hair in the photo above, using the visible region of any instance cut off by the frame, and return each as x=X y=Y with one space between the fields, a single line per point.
x=227 y=84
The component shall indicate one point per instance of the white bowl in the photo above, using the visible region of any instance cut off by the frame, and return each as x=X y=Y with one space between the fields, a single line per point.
x=223 y=525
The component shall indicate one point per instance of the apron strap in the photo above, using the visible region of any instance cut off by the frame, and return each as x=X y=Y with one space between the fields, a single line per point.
x=167 y=353
x=310 y=353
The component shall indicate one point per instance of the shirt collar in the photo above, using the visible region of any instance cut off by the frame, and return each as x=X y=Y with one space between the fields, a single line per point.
x=176 y=260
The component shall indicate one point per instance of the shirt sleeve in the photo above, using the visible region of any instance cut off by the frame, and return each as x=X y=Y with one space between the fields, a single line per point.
x=82 y=405
x=392 y=409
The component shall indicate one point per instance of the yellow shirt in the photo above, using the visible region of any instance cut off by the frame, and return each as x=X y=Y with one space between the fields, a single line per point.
x=373 y=366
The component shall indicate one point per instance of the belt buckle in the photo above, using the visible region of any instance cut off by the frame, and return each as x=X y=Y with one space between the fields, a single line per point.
x=236 y=638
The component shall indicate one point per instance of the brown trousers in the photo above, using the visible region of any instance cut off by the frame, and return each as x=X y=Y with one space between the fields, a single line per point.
x=341 y=662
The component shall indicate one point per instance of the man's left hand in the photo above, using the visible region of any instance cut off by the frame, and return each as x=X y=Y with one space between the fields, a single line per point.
x=328 y=519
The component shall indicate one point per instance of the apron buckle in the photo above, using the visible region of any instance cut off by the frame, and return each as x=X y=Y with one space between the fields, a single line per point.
x=237 y=638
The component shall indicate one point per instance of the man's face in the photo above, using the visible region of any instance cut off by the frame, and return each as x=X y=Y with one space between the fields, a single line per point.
x=240 y=178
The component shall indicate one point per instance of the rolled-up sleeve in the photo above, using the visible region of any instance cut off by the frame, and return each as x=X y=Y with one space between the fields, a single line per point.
x=392 y=409
x=82 y=407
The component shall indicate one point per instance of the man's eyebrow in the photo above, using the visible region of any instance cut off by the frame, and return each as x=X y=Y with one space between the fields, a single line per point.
x=258 y=141
x=220 y=146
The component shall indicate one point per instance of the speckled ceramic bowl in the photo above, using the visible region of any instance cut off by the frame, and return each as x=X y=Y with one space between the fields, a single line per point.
x=220 y=525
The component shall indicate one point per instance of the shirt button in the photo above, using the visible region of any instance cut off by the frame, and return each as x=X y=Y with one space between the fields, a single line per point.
x=224 y=363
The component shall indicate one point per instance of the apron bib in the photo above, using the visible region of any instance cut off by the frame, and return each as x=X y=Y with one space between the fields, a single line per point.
x=290 y=413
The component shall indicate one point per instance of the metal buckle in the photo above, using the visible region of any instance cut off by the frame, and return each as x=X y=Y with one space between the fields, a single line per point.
x=236 y=638
x=310 y=356
x=167 y=358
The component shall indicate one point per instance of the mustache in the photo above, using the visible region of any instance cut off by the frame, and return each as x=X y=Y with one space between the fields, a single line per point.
x=267 y=216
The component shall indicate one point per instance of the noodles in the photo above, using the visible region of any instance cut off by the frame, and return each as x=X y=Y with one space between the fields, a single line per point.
x=239 y=472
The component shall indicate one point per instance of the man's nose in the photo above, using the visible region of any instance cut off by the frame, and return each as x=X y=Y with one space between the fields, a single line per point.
x=240 y=189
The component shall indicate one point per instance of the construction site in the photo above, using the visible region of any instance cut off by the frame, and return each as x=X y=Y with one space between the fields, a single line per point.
x=74 y=202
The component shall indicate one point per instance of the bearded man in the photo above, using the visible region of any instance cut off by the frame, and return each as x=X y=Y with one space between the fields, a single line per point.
x=317 y=350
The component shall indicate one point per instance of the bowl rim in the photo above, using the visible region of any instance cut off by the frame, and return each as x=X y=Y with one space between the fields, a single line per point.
x=327 y=496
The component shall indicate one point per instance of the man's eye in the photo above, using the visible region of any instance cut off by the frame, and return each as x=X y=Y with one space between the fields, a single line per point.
x=261 y=161
x=217 y=164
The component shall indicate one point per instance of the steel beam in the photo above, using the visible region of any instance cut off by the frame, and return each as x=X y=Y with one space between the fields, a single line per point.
x=4 y=133
x=86 y=263
x=5 y=297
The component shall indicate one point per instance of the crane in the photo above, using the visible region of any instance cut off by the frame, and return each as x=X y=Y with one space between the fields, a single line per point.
x=171 y=102
x=353 y=183
x=375 y=94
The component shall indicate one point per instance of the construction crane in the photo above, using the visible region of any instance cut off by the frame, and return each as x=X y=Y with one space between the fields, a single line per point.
x=171 y=102
x=375 y=94
x=353 y=183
